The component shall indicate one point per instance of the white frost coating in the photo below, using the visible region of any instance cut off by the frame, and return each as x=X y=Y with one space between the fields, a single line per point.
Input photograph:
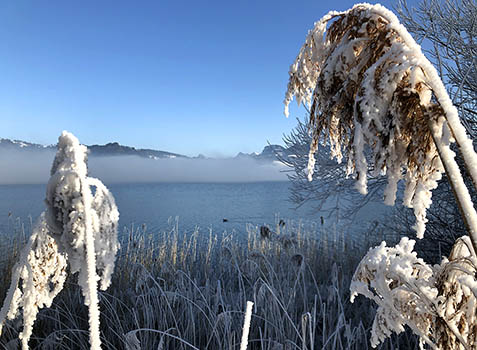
x=437 y=302
x=77 y=227
x=374 y=96
x=458 y=308
x=403 y=286
x=246 y=326
x=86 y=225
x=305 y=70
x=361 y=164
x=105 y=224
x=455 y=177
x=371 y=92
x=311 y=165
x=42 y=272
x=90 y=286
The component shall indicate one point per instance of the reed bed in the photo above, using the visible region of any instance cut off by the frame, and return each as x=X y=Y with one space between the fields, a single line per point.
x=176 y=290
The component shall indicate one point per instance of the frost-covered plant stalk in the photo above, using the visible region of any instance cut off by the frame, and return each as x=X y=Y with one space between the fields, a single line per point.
x=372 y=93
x=369 y=87
x=437 y=302
x=79 y=228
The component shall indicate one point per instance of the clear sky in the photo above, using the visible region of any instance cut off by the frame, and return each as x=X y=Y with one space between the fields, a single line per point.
x=182 y=76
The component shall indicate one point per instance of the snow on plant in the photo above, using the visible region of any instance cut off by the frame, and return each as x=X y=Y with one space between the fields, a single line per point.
x=79 y=228
x=456 y=281
x=368 y=86
x=402 y=285
x=438 y=303
x=42 y=270
x=371 y=91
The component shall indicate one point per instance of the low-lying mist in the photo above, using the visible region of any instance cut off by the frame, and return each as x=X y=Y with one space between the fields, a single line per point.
x=23 y=167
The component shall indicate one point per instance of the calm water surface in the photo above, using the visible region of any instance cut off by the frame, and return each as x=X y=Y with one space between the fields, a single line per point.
x=204 y=205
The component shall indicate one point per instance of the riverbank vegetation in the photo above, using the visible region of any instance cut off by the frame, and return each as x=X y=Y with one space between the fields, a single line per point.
x=176 y=290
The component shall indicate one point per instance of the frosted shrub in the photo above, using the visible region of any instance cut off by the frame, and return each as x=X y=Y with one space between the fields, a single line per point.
x=78 y=229
x=375 y=98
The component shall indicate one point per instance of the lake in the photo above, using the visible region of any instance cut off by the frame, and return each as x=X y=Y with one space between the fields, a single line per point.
x=204 y=205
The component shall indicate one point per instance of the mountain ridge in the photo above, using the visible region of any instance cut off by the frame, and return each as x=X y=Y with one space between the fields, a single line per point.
x=114 y=149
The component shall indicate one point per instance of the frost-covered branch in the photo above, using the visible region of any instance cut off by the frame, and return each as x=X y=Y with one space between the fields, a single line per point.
x=42 y=272
x=403 y=287
x=448 y=30
x=331 y=191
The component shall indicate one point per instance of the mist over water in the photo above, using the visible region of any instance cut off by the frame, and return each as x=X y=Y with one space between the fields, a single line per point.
x=24 y=167
x=134 y=169
x=149 y=191
x=201 y=192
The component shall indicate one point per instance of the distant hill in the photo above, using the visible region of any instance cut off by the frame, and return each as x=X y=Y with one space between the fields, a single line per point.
x=109 y=149
x=115 y=149
x=268 y=154
x=10 y=145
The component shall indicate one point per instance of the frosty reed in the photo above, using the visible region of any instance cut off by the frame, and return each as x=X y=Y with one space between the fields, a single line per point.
x=186 y=290
x=375 y=99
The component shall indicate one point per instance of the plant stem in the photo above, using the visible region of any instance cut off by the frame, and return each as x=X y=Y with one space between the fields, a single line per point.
x=461 y=193
x=92 y=277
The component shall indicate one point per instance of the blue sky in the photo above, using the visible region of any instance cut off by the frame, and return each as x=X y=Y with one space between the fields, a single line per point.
x=183 y=76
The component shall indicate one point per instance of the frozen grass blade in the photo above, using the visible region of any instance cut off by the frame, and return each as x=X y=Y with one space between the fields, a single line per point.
x=199 y=301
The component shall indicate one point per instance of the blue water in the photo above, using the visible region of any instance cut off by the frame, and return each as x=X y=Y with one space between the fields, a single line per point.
x=202 y=205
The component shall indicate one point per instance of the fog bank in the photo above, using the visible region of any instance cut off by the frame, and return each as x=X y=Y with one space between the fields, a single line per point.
x=21 y=167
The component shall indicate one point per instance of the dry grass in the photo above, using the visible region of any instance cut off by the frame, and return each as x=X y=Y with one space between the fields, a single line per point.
x=173 y=291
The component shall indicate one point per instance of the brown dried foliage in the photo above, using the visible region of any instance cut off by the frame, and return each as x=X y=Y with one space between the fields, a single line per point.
x=459 y=302
x=334 y=111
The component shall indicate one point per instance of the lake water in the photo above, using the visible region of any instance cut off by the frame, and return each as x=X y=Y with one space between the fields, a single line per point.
x=204 y=205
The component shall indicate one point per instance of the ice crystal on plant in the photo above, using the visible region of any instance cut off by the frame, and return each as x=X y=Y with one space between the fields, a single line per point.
x=78 y=228
x=402 y=285
x=456 y=282
x=376 y=99
x=437 y=302
x=42 y=272
x=372 y=96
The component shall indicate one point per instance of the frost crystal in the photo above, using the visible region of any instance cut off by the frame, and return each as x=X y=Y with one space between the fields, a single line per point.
x=42 y=270
x=438 y=303
x=374 y=97
x=403 y=287
x=77 y=227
